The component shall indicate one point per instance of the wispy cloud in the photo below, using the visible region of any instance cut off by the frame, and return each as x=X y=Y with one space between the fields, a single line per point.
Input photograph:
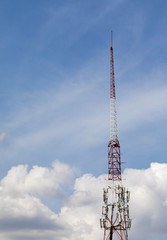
x=142 y=107
x=70 y=115
x=2 y=136
x=76 y=114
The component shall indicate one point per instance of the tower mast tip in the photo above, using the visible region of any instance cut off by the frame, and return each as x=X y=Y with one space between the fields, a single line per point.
x=111 y=38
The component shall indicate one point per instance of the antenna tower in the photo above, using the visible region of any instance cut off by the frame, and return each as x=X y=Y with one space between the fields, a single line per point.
x=115 y=211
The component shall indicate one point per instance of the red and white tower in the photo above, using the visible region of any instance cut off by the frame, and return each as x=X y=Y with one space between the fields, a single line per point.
x=115 y=211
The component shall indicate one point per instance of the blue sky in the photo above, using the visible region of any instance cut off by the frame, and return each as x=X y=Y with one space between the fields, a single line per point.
x=60 y=49
x=54 y=81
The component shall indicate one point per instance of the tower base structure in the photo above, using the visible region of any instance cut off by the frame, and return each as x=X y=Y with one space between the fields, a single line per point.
x=115 y=213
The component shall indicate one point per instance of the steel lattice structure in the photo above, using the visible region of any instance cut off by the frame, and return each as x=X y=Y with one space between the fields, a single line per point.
x=115 y=211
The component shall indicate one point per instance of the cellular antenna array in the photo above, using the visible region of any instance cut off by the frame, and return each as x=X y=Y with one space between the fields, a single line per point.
x=115 y=210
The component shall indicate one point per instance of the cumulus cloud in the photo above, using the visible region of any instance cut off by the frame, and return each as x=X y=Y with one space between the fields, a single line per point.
x=148 y=201
x=39 y=180
x=148 y=205
x=25 y=216
x=20 y=204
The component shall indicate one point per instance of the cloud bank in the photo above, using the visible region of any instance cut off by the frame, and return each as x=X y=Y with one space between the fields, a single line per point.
x=24 y=215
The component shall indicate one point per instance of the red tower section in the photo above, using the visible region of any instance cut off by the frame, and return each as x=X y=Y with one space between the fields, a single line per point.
x=112 y=79
x=114 y=157
x=114 y=160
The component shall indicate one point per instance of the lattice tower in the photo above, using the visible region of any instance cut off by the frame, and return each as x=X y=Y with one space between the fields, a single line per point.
x=115 y=211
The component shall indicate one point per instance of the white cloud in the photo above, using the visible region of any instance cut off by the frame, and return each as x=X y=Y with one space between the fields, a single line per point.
x=148 y=203
x=39 y=180
x=24 y=216
x=148 y=206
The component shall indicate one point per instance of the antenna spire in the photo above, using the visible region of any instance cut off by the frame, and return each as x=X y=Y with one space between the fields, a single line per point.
x=111 y=39
x=113 y=113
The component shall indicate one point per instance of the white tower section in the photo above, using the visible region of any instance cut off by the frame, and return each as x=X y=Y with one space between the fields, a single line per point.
x=113 y=119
